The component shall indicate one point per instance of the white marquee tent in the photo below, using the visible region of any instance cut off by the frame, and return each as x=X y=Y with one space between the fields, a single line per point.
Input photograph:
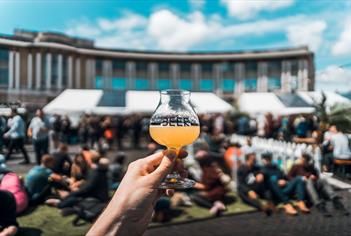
x=78 y=101
x=147 y=101
x=260 y=103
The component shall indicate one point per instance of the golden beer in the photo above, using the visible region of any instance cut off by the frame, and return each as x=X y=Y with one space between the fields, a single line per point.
x=174 y=124
x=174 y=136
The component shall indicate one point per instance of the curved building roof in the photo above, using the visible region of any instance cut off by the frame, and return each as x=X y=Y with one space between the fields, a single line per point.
x=23 y=38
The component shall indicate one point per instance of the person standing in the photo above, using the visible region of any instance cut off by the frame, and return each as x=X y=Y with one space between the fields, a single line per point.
x=3 y=127
x=39 y=131
x=16 y=135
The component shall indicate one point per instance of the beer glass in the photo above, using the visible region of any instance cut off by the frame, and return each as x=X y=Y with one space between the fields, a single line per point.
x=174 y=125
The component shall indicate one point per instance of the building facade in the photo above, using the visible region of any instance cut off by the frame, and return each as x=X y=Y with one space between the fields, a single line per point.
x=36 y=66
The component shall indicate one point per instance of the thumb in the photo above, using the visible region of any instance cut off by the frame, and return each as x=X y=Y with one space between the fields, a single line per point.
x=166 y=165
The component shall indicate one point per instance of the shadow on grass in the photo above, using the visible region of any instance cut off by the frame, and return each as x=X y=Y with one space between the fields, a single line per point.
x=29 y=231
x=229 y=200
x=28 y=211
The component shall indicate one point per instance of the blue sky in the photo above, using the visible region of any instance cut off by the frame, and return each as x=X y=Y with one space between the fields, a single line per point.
x=188 y=25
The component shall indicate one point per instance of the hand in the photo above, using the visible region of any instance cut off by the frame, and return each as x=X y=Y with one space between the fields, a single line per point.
x=313 y=177
x=281 y=182
x=259 y=178
x=132 y=205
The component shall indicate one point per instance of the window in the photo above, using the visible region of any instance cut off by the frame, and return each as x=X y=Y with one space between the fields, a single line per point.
x=251 y=69
x=4 y=69
x=164 y=84
x=99 y=82
x=163 y=67
x=43 y=71
x=206 y=85
x=141 y=84
x=98 y=66
x=186 y=84
x=251 y=85
x=118 y=65
x=274 y=75
x=64 y=71
x=228 y=85
x=274 y=83
x=119 y=83
x=207 y=67
x=54 y=70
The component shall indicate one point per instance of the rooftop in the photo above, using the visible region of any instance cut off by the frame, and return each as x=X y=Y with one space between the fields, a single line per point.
x=23 y=37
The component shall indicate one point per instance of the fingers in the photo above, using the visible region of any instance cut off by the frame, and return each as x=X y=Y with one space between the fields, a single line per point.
x=154 y=159
x=166 y=165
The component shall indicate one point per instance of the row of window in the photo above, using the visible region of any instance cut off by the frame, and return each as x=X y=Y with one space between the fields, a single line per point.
x=227 y=85
x=274 y=67
x=4 y=72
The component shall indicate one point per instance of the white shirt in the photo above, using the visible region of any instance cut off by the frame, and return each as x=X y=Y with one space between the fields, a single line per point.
x=341 y=149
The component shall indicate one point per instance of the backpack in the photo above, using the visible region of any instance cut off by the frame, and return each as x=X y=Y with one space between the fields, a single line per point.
x=88 y=210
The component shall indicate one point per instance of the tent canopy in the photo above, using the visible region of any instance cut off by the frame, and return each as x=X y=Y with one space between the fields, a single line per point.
x=259 y=103
x=332 y=98
x=147 y=101
x=78 y=101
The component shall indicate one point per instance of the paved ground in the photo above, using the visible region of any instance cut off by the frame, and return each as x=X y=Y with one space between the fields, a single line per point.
x=256 y=224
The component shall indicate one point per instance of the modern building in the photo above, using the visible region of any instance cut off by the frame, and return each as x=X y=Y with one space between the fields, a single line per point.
x=36 y=66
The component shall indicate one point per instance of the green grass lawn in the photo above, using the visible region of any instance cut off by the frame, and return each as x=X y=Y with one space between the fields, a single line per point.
x=46 y=220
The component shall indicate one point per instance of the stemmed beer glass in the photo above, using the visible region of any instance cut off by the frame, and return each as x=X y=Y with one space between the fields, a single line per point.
x=174 y=125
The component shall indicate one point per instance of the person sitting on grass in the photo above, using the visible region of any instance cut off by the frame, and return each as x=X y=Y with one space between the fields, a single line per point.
x=96 y=186
x=39 y=178
x=212 y=188
x=10 y=181
x=318 y=189
x=63 y=162
x=281 y=188
x=8 y=222
x=79 y=172
x=251 y=185
x=116 y=170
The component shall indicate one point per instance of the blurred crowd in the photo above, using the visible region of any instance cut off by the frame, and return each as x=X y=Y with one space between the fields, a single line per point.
x=81 y=183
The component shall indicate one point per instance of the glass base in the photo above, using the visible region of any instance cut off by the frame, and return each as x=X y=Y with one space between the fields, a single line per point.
x=175 y=181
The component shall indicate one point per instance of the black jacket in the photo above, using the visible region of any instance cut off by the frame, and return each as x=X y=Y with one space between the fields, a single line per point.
x=246 y=176
x=96 y=185
x=273 y=170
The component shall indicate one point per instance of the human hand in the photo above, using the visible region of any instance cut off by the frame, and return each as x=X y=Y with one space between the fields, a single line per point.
x=131 y=207
x=281 y=182
x=259 y=178
x=313 y=177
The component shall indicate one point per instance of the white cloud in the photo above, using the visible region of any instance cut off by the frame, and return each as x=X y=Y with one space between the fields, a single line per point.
x=334 y=78
x=128 y=21
x=197 y=4
x=343 y=44
x=246 y=9
x=167 y=30
x=307 y=33
x=174 y=33
x=83 y=29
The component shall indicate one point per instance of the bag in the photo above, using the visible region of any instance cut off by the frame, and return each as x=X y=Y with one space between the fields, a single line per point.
x=108 y=134
x=88 y=209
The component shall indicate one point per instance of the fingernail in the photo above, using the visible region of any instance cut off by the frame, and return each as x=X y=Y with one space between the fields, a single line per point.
x=171 y=153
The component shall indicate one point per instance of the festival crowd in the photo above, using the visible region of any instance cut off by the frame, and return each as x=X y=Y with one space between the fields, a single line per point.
x=82 y=183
